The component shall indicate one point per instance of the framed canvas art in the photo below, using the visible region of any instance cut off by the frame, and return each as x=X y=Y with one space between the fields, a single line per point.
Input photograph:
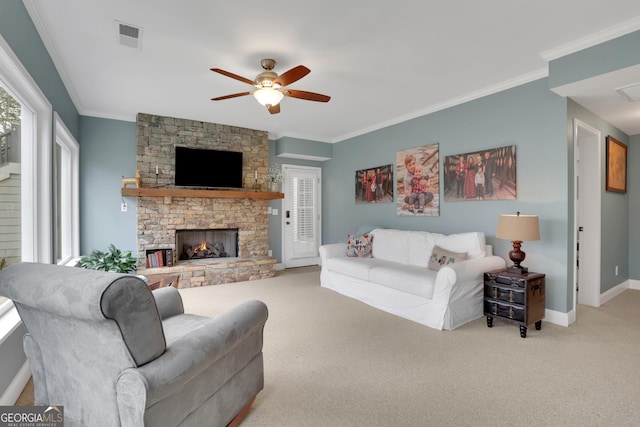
x=616 y=165
x=418 y=181
x=375 y=185
x=481 y=175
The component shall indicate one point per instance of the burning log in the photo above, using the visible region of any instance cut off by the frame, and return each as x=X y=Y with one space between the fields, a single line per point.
x=205 y=250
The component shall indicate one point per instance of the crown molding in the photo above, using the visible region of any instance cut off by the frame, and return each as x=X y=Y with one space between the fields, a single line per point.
x=592 y=40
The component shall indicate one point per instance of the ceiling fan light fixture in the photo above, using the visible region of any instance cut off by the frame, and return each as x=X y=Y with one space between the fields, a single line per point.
x=270 y=87
x=268 y=96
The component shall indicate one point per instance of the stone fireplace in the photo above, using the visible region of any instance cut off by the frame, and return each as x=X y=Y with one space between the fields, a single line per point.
x=167 y=222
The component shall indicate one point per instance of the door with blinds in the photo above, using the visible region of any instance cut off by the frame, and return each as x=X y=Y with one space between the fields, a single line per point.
x=301 y=217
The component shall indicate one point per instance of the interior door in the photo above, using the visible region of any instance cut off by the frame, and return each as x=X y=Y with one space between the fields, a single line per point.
x=301 y=217
x=588 y=189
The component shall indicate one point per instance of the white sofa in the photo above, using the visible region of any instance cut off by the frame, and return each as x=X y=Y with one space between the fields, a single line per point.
x=397 y=277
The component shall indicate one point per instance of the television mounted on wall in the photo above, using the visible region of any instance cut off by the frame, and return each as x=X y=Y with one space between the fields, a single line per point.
x=198 y=167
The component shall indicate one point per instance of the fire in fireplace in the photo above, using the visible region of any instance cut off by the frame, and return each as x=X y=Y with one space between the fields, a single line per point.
x=204 y=250
x=212 y=243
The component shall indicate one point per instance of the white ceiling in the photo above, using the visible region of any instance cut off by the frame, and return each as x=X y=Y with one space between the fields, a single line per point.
x=381 y=63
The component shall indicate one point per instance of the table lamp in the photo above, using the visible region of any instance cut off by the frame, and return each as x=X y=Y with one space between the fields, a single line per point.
x=518 y=228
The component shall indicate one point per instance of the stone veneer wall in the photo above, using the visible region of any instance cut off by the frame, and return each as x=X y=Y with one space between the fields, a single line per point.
x=159 y=217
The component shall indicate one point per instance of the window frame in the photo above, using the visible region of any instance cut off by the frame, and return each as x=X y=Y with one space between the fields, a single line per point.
x=36 y=169
x=69 y=234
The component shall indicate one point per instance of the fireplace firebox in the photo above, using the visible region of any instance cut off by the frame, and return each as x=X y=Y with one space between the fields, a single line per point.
x=209 y=243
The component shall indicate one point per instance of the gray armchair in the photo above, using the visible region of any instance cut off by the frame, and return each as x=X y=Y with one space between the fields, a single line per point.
x=113 y=353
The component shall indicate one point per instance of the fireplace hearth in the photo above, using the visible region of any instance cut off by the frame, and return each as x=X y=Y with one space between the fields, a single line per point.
x=211 y=243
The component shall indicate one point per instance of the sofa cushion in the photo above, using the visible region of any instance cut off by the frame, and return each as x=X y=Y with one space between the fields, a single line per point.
x=391 y=245
x=359 y=245
x=421 y=244
x=411 y=279
x=441 y=257
x=354 y=267
x=472 y=243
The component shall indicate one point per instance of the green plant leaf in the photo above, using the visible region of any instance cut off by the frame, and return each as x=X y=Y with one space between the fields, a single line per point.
x=113 y=260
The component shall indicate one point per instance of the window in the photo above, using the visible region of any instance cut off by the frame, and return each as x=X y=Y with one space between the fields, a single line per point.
x=67 y=160
x=35 y=165
x=10 y=230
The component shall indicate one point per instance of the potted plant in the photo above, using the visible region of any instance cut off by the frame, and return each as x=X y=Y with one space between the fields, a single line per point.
x=113 y=260
x=274 y=177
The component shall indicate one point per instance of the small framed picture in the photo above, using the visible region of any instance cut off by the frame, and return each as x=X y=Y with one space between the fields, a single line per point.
x=616 y=165
x=374 y=185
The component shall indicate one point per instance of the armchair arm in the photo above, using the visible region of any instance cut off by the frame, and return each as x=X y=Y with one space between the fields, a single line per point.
x=188 y=356
x=168 y=301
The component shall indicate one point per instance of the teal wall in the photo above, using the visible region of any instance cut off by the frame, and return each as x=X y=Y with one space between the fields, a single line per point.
x=295 y=147
x=606 y=57
x=108 y=152
x=530 y=117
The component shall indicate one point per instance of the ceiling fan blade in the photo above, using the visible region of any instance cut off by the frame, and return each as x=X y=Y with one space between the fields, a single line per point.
x=274 y=109
x=293 y=75
x=309 y=96
x=233 y=76
x=235 y=95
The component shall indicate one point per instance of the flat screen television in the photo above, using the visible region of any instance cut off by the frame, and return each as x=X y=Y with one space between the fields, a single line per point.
x=196 y=167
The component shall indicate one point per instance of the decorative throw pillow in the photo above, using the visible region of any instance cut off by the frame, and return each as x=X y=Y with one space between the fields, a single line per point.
x=441 y=257
x=359 y=246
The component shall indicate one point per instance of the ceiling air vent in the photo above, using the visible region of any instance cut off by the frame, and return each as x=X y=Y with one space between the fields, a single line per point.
x=631 y=93
x=129 y=36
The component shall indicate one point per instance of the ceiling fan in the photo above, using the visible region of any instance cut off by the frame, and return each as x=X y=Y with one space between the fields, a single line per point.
x=270 y=87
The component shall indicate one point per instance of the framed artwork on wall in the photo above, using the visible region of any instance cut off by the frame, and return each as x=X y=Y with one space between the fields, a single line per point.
x=418 y=181
x=375 y=185
x=616 y=165
x=481 y=175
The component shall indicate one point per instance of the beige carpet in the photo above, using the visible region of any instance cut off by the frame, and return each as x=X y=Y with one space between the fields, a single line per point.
x=333 y=361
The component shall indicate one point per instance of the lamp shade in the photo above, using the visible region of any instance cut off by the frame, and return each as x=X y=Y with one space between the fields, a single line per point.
x=518 y=227
x=268 y=96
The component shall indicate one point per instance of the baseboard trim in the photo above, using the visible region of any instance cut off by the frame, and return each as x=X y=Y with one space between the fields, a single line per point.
x=12 y=393
x=614 y=292
x=559 y=318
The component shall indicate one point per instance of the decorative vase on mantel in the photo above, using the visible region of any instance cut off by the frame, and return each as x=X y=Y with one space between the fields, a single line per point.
x=274 y=178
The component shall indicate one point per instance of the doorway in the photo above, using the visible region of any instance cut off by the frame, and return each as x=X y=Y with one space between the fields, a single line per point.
x=587 y=214
x=301 y=221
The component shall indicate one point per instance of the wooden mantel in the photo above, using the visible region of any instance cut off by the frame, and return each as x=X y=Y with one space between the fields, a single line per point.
x=211 y=194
